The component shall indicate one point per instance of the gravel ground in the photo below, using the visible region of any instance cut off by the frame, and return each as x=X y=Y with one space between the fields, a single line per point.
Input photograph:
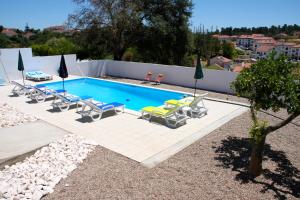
x=38 y=174
x=214 y=167
x=10 y=116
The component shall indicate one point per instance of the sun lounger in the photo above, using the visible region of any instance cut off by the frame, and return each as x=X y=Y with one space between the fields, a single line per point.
x=172 y=116
x=94 y=109
x=20 y=89
x=159 y=78
x=63 y=102
x=193 y=105
x=41 y=93
x=148 y=77
x=38 y=76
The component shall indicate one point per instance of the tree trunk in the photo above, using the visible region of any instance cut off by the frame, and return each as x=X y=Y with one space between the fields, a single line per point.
x=255 y=167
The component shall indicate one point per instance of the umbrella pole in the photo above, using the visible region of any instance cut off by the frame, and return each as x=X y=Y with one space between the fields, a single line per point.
x=23 y=78
x=195 y=88
x=64 y=87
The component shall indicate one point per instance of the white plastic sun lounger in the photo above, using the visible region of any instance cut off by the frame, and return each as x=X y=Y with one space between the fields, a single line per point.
x=41 y=93
x=63 y=102
x=94 y=109
x=38 y=76
x=193 y=105
x=172 y=116
x=20 y=89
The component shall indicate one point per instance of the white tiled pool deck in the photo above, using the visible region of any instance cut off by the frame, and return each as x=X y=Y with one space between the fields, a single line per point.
x=127 y=134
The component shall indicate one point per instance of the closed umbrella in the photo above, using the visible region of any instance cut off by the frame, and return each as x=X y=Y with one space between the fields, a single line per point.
x=198 y=72
x=63 y=71
x=21 y=66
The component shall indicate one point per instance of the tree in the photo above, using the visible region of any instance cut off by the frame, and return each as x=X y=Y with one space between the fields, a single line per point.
x=119 y=18
x=92 y=43
x=4 y=41
x=54 y=46
x=205 y=44
x=1 y=28
x=166 y=38
x=268 y=84
x=228 y=50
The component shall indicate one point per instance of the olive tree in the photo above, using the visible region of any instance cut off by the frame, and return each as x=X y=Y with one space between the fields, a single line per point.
x=270 y=84
x=117 y=19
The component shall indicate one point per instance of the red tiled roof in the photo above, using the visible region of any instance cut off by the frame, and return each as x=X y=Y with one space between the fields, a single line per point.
x=237 y=69
x=9 y=32
x=253 y=36
x=223 y=59
x=28 y=34
x=265 y=48
x=240 y=67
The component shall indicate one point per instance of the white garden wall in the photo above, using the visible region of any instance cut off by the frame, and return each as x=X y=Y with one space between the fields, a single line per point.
x=215 y=80
x=48 y=64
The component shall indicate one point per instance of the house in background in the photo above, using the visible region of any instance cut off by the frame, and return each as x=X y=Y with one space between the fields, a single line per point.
x=240 y=66
x=10 y=32
x=225 y=38
x=263 y=51
x=221 y=61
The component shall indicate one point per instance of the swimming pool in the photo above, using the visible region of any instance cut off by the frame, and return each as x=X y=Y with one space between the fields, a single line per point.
x=133 y=96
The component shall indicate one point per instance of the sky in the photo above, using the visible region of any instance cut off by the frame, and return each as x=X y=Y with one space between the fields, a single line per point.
x=217 y=13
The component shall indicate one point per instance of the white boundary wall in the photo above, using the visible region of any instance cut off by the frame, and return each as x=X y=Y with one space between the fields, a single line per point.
x=214 y=80
x=47 y=64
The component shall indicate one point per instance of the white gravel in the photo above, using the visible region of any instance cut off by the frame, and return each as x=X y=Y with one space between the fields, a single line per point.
x=10 y=116
x=37 y=175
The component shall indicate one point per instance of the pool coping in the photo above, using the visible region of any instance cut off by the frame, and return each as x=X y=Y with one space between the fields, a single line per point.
x=137 y=113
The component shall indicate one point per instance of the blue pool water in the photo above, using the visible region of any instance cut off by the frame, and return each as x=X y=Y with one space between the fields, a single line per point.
x=134 y=97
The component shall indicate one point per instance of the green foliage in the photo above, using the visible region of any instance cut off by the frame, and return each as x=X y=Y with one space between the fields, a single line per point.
x=270 y=84
x=157 y=29
x=117 y=20
x=215 y=67
x=188 y=60
x=269 y=31
x=92 y=44
x=257 y=131
x=131 y=54
x=55 y=46
x=229 y=50
x=41 y=50
x=205 y=44
x=4 y=41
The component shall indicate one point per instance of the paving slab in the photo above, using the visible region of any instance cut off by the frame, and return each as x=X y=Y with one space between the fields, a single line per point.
x=128 y=134
x=21 y=139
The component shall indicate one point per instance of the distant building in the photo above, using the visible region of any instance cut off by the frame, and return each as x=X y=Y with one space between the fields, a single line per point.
x=297 y=33
x=263 y=51
x=28 y=35
x=225 y=38
x=240 y=66
x=60 y=29
x=254 y=41
x=281 y=35
x=289 y=49
x=262 y=41
x=246 y=41
x=10 y=32
x=221 y=61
